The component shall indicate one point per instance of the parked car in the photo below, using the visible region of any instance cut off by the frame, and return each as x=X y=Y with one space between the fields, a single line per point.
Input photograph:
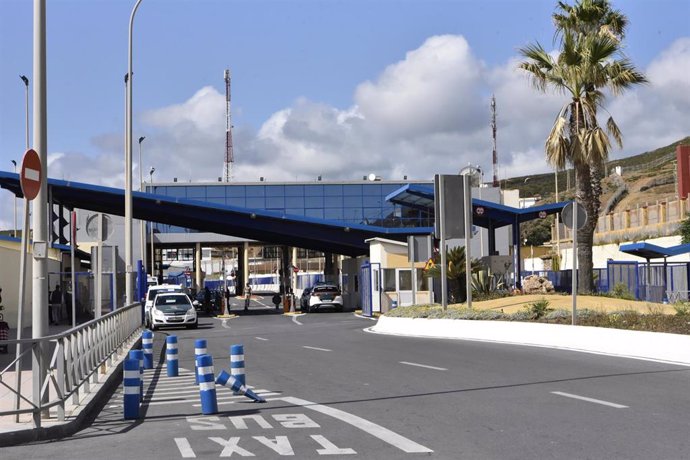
x=151 y=296
x=321 y=295
x=173 y=309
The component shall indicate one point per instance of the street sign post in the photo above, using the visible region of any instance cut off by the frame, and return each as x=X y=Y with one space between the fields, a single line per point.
x=574 y=217
x=30 y=182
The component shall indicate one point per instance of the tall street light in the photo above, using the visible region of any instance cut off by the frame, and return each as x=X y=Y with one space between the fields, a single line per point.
x=142 y=230
x=129 y=270
x=153 y=259
x=25 y=79
x=15 y=202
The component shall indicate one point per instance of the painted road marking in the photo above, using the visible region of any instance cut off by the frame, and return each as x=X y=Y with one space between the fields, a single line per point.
x=384 y=434
x=592 y=400
x=32 y=174
x=316 y=348
x=261 y=338
x=184 y=448
x=424 y=366
x=296 y=321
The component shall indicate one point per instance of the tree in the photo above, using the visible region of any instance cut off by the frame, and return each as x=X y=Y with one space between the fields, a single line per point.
x=684 y=231
x=455 y=273
x=589 y=62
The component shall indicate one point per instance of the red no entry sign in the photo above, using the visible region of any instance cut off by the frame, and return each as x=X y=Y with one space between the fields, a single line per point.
x=30 y=177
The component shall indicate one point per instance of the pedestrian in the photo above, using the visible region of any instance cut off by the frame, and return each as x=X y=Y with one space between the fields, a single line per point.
x=207 y=299
x=55 y=304
x=227 y=299
x=248 y=296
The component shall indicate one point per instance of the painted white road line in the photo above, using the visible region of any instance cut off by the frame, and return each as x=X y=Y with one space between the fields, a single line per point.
x=261 y=338
x=225 y=324
x=234 y=399
x=184 y=448
x=424 y=366
x=384 y=434
x=316 y=348
x=592 y=400
x=296 y=321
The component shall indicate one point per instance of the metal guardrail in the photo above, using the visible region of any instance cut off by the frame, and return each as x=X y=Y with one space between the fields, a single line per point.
x=73 y=359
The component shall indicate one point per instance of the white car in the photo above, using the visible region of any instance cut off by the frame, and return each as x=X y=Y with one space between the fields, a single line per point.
x=153 y=292
x=321 y=295
x=173 y=309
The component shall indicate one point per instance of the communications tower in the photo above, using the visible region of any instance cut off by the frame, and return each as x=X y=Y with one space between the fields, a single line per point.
x=229 y=155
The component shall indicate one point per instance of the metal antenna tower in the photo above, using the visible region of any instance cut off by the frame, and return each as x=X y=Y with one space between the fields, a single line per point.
x=493 y=131
x=229 y=155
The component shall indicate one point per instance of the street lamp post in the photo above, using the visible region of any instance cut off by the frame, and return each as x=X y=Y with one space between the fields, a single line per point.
x=15 y=202
x=142 y=229
x=153 y=259
x=129 y=271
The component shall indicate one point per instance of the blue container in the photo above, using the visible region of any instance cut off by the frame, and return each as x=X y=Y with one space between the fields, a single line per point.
x=207 y=386
x=139 y=356
x=171 y=355
x=237 y=364
x=199 y=349
x=131 y=379
x=147 y=347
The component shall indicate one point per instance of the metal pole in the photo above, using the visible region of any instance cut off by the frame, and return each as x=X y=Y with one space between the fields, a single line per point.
x=574 y=288
x=558 y=227
x=129 y=271
x=468 y=238
x=15 y=200
x=442 y=246
x=72 y=244
x=153 y=259
x=20 y=306
x=142 y=229
x=39 y=300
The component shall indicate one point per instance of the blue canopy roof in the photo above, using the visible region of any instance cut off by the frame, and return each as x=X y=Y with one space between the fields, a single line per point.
x=652 y=251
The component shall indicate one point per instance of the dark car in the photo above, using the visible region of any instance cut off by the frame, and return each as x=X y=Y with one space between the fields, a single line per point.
x=321 y=295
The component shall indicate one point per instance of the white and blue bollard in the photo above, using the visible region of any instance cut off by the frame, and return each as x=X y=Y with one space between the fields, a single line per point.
x=199 y=349
x=171 y=356
x=231 y=382
x=237 y=364
x=139 y=356
x=147 y=347
x=131 y=379
x=207 y=385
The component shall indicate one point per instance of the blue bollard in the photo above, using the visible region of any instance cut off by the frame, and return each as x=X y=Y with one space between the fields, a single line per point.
x=231 y=382
x=131 y=382
x=139 y=356
x=199 y=349
x=171 y=356
x=237 y=364
x=207 y=386
x=147 y=347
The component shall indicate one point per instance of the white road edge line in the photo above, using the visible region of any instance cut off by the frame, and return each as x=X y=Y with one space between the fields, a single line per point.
x=225 y=324
x=316 y=348
x=294 y=320
x=424 y=366
x=261 y=338
x=384 y=434
x=592 y=400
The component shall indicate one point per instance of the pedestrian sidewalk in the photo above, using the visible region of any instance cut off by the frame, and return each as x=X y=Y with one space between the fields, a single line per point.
x=653 y=346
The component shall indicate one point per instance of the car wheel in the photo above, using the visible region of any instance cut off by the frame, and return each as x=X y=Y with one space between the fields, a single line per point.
x=339 y=308
x=153 y=327
x=193 y=326
x=305 y=309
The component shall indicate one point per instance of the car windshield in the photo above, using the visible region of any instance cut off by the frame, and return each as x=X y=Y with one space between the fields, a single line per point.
x=154 y=292
x=173 y=303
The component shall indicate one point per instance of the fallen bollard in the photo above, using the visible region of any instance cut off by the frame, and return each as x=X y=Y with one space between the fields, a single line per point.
x=231 y=382
x=207 y=385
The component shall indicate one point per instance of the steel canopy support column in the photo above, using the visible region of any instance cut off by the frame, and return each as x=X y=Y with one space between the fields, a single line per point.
x=516 y=253
x=244 y=251
x=197 y=266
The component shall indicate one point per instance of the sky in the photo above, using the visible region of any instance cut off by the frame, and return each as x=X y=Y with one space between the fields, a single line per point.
x=331 y=88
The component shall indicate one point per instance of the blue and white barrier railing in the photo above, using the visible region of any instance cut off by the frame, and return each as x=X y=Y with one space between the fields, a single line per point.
x=237 y=364
x=171 y=355
x=207 y=385
x=199 y=349
x=139 y=356
x=229 y=381
x=131 y=381
x=147 y=347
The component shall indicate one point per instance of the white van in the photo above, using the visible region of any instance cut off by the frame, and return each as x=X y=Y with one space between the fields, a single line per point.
x=153 y=292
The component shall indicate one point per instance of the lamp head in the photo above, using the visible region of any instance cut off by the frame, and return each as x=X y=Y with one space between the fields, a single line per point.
x=24 y=79
x=153 y=170
x=14 y=162
x=141 y=139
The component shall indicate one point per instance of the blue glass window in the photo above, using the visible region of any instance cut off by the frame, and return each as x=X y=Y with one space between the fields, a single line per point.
x=255 y=191
x=259 y=203
x=313 y=190
x=215 y=191
x=352 y=214
x=333 y=190
x=313 y=201
x=333 y=213
x=241 y=202
x=295 y=211
x=333 y=201
x=275 y=190
x=318 y=213
x=216 y=200
x=235 y=191
x=371 y=201
x=177 y=192
x=371 y=189
x=352 y=201
x=294 y=202
x=195 y=193
x=294 y=190
x=352 y=189
x=275 y=202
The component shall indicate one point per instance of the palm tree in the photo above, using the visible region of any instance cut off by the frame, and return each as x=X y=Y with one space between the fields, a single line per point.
x=589 y=62
x=455 y=273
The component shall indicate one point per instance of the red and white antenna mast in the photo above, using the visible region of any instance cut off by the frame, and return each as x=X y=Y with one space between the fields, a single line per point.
x=229 y=155
x=493 y=130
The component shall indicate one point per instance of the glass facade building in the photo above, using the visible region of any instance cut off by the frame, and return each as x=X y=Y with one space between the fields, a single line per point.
x=346 y=202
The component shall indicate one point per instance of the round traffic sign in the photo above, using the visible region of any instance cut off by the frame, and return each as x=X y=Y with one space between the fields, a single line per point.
x=567 y=215
x=542 y=214
x=479 y=210
x=31 y=174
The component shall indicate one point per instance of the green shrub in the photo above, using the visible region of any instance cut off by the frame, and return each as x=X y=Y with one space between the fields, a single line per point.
x=682 y=308
x=539 y=308
x=620 y=291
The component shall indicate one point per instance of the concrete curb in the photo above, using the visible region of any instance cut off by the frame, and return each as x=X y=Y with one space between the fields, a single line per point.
x=83 y=414
x=650 y=346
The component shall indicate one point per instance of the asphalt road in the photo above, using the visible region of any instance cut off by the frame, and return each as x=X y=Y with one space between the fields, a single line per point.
x=335 y=390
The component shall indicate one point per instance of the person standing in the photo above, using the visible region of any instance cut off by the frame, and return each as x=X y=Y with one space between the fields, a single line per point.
x=248 y=296
x=55 y=305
